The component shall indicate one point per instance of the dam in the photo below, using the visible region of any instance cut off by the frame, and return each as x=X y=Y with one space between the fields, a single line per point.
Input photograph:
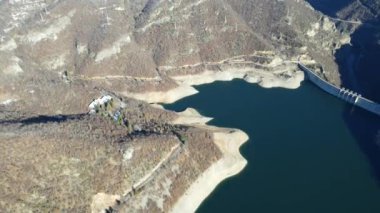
x=342 y=93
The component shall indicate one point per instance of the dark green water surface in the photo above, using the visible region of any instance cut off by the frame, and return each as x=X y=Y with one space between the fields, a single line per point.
x=308 y=151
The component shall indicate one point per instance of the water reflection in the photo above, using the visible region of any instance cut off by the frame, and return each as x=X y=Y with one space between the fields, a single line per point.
x=365 y=128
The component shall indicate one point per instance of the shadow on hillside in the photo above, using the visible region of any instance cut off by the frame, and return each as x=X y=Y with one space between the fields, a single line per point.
x=42 y=119
x=365 y=128
x=329 y=7
x=359 y=63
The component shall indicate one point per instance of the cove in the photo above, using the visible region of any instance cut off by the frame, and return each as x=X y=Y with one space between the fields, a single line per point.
x=302 y=154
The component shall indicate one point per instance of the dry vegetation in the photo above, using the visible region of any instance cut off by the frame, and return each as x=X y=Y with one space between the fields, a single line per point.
x=56 y=166
x=176 y=176
x=58 y=163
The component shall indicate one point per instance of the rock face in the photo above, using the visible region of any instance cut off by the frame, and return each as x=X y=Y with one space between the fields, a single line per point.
x=363 y=10
x=57 y=56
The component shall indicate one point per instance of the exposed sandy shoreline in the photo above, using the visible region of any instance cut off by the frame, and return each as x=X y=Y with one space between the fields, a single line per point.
x=191 y=117
x=170 y=96
x=228 y=140
x=232 y=162
x=186 y=83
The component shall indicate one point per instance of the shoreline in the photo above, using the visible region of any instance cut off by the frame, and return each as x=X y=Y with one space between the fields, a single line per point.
x=231 y=163
x=227 y=140
x=186 y=83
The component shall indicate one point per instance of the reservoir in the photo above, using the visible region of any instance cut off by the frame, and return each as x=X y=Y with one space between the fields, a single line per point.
x=308 y=151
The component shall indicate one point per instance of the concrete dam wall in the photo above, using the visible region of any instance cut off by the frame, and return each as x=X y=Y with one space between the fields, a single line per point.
x=342 y=93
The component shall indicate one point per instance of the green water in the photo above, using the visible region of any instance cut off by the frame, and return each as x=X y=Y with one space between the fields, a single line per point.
x=302 y=156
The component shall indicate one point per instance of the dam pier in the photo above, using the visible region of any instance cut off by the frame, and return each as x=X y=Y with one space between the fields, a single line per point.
x=342 y=93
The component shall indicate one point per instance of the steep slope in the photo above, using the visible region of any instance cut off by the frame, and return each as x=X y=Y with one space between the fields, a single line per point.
x=58 y=51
